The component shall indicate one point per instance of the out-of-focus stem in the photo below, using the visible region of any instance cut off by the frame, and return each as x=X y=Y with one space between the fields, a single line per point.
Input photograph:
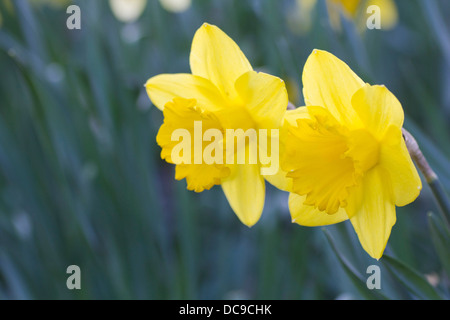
x=430 y=176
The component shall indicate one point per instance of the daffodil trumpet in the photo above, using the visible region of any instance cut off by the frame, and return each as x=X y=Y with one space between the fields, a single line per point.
x=235 y=147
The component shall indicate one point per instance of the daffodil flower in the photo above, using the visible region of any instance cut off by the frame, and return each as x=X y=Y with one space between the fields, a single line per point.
x=345 y=154
x=222 y=93
x=361 y=12
x=356 y=10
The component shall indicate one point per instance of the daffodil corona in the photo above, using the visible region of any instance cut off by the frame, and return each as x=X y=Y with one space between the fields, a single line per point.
x=223 y=93
x=345 y=154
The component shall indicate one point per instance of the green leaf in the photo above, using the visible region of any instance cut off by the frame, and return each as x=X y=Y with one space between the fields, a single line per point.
x=356 y=278
x=440 y=236
x=413 y=280
x=14 y=278
x=437 y=24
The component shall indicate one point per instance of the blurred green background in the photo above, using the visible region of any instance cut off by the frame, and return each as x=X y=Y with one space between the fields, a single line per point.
x=82 y=182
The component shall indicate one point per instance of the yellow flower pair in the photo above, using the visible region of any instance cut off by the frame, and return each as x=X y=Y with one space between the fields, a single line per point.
x=342 y=156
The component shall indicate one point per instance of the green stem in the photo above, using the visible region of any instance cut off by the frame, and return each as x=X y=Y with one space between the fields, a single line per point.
x=441 y=198
x=430 y=176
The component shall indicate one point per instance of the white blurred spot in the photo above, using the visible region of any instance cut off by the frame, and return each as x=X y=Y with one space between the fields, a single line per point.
x=143 y=102
x=127 y=10
x=176 y=6
x=432 y=279
x=131 y=33
x=22 y=224
x=54 y=73
x=345 y=296
x=88 y=172
x=11 y=52
x=236 y=295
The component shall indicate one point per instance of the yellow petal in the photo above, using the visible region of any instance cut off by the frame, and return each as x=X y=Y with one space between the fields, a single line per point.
x=363 y=149
x=264 y=96
x=280 y=179
x=216 y=57
x=165 y=87
x=309 y=216
x=328 y=82
x=395 y=158
x=378 y=108
x=200 y=177
x=291 y=116
x=355 y=198
x=245 y=191
x=376 y=216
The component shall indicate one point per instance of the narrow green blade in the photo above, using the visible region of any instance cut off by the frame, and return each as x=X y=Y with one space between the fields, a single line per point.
x=356 y=278
x=413 y=280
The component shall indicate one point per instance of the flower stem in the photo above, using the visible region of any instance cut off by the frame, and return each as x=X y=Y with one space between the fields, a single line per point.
x=430 y=176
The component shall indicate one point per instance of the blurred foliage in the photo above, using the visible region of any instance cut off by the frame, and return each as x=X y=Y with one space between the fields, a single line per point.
x=81 y=180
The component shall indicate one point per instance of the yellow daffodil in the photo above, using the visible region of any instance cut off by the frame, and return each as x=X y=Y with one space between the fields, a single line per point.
x=349 y=7
x=223 y=93
x=345 y=154
x=364 y=13
x=357 y=10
